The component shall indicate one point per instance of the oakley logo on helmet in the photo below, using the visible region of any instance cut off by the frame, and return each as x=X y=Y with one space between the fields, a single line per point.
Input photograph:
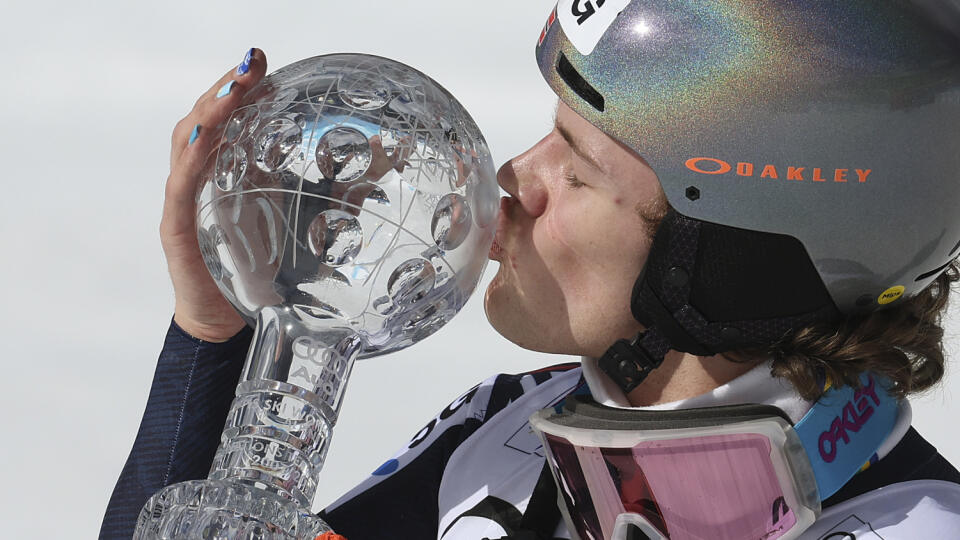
x=585 y=21
x=708 y=165
x=851 y=419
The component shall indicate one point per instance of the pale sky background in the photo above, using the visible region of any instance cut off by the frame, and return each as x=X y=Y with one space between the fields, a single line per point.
x=89 y=95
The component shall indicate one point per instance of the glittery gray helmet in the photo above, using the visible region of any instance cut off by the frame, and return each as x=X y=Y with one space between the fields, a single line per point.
x=809 y=151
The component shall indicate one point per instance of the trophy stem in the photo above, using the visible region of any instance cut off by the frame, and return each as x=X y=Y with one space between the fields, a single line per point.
x=266 y=470
x=279 y=426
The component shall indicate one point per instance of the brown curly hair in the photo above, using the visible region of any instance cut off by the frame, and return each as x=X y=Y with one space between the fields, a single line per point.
x=904 y=343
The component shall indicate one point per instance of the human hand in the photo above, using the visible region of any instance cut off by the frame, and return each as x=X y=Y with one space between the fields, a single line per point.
x=200 y=308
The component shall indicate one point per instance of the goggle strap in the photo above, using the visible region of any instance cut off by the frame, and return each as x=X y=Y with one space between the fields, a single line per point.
x=843 y=430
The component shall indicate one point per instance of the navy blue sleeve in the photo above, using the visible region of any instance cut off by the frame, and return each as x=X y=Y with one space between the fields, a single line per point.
x=193 y=387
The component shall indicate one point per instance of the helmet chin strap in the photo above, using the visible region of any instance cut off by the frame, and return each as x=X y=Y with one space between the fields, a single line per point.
x=628 y=362
x=756 y=297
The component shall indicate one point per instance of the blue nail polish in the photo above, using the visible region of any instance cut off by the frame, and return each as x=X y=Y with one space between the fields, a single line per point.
x=245 y=65
x=225 y=89
x=194 y=134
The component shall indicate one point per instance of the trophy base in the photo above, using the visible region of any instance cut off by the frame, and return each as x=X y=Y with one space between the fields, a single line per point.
x=221 y=510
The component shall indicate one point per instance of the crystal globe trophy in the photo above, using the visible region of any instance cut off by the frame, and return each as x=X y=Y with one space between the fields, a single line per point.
x=347 y=212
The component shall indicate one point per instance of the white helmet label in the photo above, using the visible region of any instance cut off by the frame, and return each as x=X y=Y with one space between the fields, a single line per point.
x=585 y=21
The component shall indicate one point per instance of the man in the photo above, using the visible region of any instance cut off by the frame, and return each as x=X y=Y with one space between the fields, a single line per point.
x=780 y=177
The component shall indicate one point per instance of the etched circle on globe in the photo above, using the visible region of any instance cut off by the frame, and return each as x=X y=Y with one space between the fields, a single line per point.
x=278 y=144
x=400 y=76
x=281 y=100
x=378 y=196
x=343 y=154
x=335 y=237
x=411 y=281
x=364 y=91
x=238 y=122
x=451 y=221
x=391 y=140
x=362 y=193
x=231 y=166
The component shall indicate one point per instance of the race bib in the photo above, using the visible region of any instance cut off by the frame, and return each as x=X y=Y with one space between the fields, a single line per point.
x=917 y=509
x=585 y=21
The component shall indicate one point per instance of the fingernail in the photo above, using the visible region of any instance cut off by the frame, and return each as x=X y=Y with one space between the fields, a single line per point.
x=225 y=89
x=245 y=65
x=194 y=134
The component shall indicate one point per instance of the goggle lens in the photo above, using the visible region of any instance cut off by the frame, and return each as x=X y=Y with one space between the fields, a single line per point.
x=694 y=488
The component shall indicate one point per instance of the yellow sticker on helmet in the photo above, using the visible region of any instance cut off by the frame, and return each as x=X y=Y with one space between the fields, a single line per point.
x=891 y=294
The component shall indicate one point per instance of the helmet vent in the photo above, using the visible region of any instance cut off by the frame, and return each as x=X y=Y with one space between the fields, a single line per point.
x=578 y=84
x=933 y=272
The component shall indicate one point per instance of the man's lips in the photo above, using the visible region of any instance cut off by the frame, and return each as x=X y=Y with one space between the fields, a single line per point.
x=496 y=249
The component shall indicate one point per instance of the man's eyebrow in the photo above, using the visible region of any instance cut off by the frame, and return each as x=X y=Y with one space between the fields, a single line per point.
x=577 y=148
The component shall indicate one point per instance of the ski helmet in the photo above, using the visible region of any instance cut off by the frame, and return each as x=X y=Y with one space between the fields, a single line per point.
x=809 y=152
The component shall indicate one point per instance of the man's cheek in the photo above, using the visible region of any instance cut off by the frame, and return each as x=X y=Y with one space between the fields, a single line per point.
x=566 y=232
x=567 y=253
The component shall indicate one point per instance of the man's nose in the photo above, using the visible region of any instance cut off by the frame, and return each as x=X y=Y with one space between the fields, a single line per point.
x=521 y=181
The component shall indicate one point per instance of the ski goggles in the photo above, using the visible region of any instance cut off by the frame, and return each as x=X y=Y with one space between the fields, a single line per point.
x=735 y=472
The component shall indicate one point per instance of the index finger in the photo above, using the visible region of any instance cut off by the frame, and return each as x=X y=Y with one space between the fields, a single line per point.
x=247 y=73
x=210 y=110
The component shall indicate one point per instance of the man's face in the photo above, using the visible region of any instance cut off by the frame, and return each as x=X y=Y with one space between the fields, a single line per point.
x=571 y=240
